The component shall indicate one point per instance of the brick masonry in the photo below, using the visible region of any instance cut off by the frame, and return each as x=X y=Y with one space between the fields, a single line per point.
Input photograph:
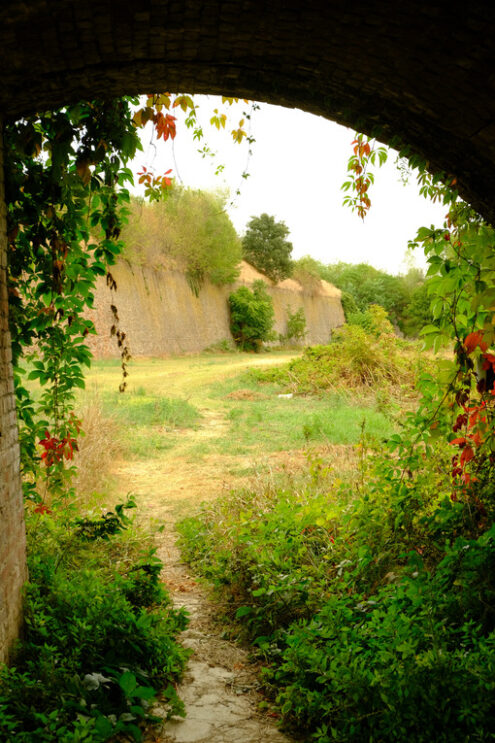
x=422 y=72
x=12 y=536
x=160 y=315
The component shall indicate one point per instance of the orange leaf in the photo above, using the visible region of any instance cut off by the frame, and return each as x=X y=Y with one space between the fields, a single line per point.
x=466 y=456
x=488 y=361
x=473 y=340
x=476 y=438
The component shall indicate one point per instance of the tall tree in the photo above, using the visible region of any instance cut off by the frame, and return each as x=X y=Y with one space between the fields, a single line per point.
x=266 y=247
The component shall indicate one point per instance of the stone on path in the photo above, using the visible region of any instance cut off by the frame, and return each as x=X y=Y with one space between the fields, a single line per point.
x=219 y=688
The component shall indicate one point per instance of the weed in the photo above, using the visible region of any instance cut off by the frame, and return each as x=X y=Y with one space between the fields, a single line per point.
x=97 y=447
x=99 y=640
x=370 y=627
x=357 y=358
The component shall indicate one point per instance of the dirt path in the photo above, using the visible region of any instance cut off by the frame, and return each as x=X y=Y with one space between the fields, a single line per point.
x=220 y=687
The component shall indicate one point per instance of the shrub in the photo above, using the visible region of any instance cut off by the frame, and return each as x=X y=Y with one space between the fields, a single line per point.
x=364 y=355
x=99 y=640
x=371 y=630
x=296 y=326
x=190 y=228
x=251 y=316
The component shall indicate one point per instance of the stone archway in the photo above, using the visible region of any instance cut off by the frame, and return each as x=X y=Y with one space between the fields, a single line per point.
x=419 y=73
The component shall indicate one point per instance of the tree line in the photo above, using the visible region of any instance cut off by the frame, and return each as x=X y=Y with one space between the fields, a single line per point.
x=192 y=229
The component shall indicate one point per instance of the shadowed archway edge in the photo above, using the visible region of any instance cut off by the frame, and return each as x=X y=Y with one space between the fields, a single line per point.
x=409 y=72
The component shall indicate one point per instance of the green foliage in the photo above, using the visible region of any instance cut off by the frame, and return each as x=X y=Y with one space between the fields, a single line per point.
x=265 y=246
x=202 y=235
x=371 y=628
x=418 y=312
x=99 y=636
x=296 y=326
x=368 y=285
x=65 y=177
x=348 y=305
x=188 y=227
x=403 y=297
x=372 y=598
x=251 y=316
x=365 y=354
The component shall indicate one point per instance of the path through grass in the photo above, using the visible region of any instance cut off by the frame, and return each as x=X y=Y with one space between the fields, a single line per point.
x=187 y=430
x=204 y=423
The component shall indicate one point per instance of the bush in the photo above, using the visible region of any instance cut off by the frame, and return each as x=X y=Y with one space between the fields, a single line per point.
x=251 y=316
x=296 y=326
x=404 y=297
x=371 y=629
x=191 y=229
x=362 y=355
x=99 y=641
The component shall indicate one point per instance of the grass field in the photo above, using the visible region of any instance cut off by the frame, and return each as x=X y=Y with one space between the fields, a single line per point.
x=188 y=427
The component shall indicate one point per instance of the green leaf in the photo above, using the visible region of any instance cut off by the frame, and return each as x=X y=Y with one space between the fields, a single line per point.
x=243 y=611
x=127 y=683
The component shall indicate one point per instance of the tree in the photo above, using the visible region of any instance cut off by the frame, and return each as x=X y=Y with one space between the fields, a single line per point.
x=265 y=246
x=251 y=316
x=192 y=228
x=203 y=237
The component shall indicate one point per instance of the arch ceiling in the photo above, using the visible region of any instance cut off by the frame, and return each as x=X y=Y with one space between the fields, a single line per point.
x=421 y=72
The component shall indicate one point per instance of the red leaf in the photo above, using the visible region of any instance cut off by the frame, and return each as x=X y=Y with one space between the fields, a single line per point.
x=473 y=340
x=41 y=508
x=467 y=455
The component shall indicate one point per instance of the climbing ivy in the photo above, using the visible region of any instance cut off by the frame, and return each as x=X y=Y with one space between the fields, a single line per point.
x=66 y=178
x=460 y=405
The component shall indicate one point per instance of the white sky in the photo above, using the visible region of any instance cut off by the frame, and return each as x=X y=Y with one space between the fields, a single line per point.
x=298 y=165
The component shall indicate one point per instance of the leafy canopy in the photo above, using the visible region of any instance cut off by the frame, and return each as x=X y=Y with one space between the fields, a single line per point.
x=251 y=316
x=266 y=247
x=190 y=228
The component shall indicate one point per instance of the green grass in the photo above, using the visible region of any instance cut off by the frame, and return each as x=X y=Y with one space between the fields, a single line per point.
x=152 y=410
x=147 y=424
x=270 y=423
x=159 y=404
x=277 y=424
x=165 y=397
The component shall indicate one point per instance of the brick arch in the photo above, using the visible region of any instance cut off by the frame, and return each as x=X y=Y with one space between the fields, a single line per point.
x=418 y=72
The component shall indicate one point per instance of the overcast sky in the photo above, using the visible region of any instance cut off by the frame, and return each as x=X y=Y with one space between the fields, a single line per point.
x=298 y=165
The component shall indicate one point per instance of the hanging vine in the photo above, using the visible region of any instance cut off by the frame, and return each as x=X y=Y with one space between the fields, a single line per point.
x=66 y=179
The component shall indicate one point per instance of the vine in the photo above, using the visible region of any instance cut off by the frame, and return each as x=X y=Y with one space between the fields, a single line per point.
x=67 y=173
x=459 y=407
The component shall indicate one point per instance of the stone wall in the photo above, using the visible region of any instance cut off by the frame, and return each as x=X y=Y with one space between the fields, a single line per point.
x=12 y=536
x=161 y=315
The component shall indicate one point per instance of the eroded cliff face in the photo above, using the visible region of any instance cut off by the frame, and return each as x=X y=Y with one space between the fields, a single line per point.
x=160 y=315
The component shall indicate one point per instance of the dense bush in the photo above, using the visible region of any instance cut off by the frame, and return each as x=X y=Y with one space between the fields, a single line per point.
x=371 y=627
x=251 y=316
x=99 y=639
x=362 y=354
x=404 y=297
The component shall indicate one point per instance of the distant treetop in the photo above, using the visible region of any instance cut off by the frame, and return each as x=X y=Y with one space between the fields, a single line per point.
x=266 y=248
